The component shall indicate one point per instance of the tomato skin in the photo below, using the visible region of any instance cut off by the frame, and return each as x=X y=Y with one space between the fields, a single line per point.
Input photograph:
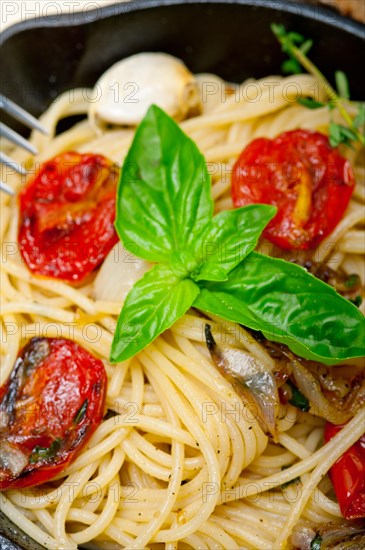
x=67 y=213
x=304 y=177
x=348 y=476
x=54 y=399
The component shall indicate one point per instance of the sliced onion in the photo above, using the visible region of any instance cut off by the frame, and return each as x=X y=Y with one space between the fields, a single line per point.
x=311 y=389
x=119 y=272
x=349 y=535
x=302 y=537
x=4 y=419
x=12 y=459
x=251 y=379
x=334 y=393
x=347 y=285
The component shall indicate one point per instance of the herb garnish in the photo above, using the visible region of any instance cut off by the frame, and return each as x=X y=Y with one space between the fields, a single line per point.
x=352 y=281
x=291 y=481
x=297 y=399
x=45 y=453
x=80 y=415
x=316 y=543
x=164 y=215
x=297 y=47
x=357 y=301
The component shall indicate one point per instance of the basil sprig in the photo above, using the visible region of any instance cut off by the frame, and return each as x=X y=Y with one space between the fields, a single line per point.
x=164 y=209
x=288 y=305
x=155 y=302
x=164 y=196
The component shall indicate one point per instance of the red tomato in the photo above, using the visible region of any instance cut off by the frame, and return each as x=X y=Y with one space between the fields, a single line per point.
x=67 y=214
x=304 y=177
x=50 y=406
x=348 y=476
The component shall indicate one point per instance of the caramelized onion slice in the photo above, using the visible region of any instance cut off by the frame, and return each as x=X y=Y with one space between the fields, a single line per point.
x=334 y=393
x=349 y=535
x=311 y=389
x=12 y=458
x=252 y=381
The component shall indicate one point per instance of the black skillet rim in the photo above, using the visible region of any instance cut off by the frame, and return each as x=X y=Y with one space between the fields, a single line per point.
x=11 y=536
x=314 y=12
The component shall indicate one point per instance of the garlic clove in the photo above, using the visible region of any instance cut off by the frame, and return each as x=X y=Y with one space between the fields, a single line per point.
x=131 y=86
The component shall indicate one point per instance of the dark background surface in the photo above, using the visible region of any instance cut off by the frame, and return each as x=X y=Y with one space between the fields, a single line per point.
x=41 y=59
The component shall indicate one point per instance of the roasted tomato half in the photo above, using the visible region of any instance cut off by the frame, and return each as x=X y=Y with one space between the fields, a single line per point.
x=348 y=476
x=67 y=214
x=304 y=177
x=50 y=406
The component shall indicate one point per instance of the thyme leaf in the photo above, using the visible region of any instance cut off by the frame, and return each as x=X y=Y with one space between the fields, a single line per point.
x=297 y=47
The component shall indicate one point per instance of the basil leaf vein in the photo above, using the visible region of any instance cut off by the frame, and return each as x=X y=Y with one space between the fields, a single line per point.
x=153 y=304
x=288 y=305
x=229 y=238
x=164 y=206
x=164 y=194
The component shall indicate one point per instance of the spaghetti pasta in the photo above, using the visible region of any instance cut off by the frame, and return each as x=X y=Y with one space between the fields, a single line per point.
x=180 y=461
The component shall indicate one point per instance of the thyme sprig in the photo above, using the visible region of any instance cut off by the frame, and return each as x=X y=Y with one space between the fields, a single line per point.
x=297 y=47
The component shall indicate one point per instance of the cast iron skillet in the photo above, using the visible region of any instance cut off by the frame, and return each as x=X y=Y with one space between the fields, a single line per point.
x=43 y=57
x=46 y=56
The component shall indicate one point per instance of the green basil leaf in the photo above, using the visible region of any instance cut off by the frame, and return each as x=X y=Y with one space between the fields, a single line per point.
x=209 y=272
x=182 y=262
x=164 y=194
x=215 y=298
x=290 y=306
x=229 y=238
x=153 y=304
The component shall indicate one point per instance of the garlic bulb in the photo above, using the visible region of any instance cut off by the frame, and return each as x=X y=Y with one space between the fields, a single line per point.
x=131 y=86
x=119 y=272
